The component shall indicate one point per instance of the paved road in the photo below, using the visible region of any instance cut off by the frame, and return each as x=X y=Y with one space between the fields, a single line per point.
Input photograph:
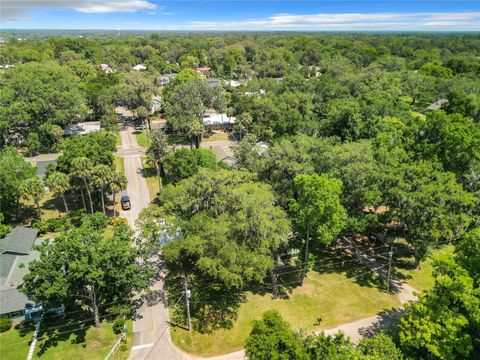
x=151 y=331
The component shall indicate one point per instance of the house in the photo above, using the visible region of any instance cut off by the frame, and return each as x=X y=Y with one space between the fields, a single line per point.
x=82 y=128
x=155 y=104
x=232 y=83
x=213 y=82
x=216 y=121
x=202 y=70
x=165 y=79
x=261 y=148
x=106 y=68
x=140 y=67
x=437 y=105
x=16 y=249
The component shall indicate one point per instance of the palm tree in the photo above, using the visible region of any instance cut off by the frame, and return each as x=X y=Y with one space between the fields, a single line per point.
x=118 y=183
x=33 y=188
x=158 y=151
x=102 y=175
x=59 y=183
x=81 y=167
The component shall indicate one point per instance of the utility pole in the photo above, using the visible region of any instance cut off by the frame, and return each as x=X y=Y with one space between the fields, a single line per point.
x=188 y=293
x=390 y=254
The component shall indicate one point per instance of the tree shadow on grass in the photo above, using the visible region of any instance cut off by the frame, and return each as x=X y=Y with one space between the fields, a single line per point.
x=53 y=332
x=212 y=305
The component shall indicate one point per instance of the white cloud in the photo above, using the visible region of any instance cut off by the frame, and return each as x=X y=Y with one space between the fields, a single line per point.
x=12 y=10
x=350 y=21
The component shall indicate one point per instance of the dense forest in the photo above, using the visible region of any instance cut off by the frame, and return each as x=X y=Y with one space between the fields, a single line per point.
x=337 y=136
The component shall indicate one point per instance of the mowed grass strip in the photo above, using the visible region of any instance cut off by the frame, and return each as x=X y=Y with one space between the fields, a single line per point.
x=333 y=297
x=68 y=342
x=142 y=138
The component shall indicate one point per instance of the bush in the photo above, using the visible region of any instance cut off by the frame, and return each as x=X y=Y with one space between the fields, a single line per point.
x=41 y=226
x=5 y=324
x=118 y=325
x=118 y=221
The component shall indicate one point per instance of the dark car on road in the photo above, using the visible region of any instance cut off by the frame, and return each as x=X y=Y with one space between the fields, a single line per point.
x=125 y=201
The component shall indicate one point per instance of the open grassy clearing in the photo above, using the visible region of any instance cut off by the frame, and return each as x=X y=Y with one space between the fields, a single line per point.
x=332 y=296
x=216 y=135
x=88 y=343
x=142 y=138
x=422 y=278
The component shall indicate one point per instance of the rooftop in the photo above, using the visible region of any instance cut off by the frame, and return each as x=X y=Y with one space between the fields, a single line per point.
x=18 y=241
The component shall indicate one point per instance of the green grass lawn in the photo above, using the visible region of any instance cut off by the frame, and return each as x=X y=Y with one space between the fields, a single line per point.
x=142 y=138
x=216 y=135
x=421 y=278
x=14 y=343
x=119 y=164
x=151 y=178
x=330 y=296
x=119 y=138
x=62 y=343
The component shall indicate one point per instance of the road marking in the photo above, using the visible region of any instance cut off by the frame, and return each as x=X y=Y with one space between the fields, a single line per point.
x=144 y=346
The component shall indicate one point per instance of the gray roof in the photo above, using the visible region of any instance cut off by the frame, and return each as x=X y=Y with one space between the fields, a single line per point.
x=16 y=249
x=42 y=167
x=12 y=300
x=18 y=241
x=437 y=105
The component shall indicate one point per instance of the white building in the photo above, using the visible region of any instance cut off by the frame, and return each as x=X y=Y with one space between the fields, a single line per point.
x=140 y=67
x=233 y=83
x=218 y=120
x=82 y=128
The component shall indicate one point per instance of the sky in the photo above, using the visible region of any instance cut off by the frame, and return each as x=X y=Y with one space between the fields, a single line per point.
x=269 y=15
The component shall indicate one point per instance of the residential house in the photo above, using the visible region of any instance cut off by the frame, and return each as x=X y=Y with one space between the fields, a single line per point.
x=82 y=128
x=218 y=121
x=232 y=83
x=165 y=79
x=437 y=105
x=155 y=104
x=15 y=255
x=213 y=82
x=140 y=67
x=106 y=68
x=202 y=70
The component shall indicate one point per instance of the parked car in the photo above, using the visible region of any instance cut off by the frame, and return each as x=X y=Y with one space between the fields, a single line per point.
x=140 y=127
x=125 y=202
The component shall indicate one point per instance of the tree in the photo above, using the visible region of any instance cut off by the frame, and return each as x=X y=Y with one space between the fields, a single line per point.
x=343 y=119
x=158 y=151
x=467 y=253
x=336 y=346
x=14 y=170
x=428 y=205
x=4 y=229
x=34 y=189
x=32 y=142
x=87 y=267
x=445 y=321
x=185 y=105
x=317 y=210
x=98 y=147
x=226 y=237
x=272 y=338
x=102 y=175
x=118 y=183
x=59 y=183
x=244 y=121
x=37 y=93
x=379 y=347
x=82 y=168
x=184 y=163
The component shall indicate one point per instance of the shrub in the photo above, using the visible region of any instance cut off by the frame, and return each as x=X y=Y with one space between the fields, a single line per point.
x=5 y=324
x=118 y=221
x=118 y=325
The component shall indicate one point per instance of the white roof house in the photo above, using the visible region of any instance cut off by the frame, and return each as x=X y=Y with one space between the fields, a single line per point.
x=140 y=67
x=82 y=128
x=233 y=83
x=218 y=120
